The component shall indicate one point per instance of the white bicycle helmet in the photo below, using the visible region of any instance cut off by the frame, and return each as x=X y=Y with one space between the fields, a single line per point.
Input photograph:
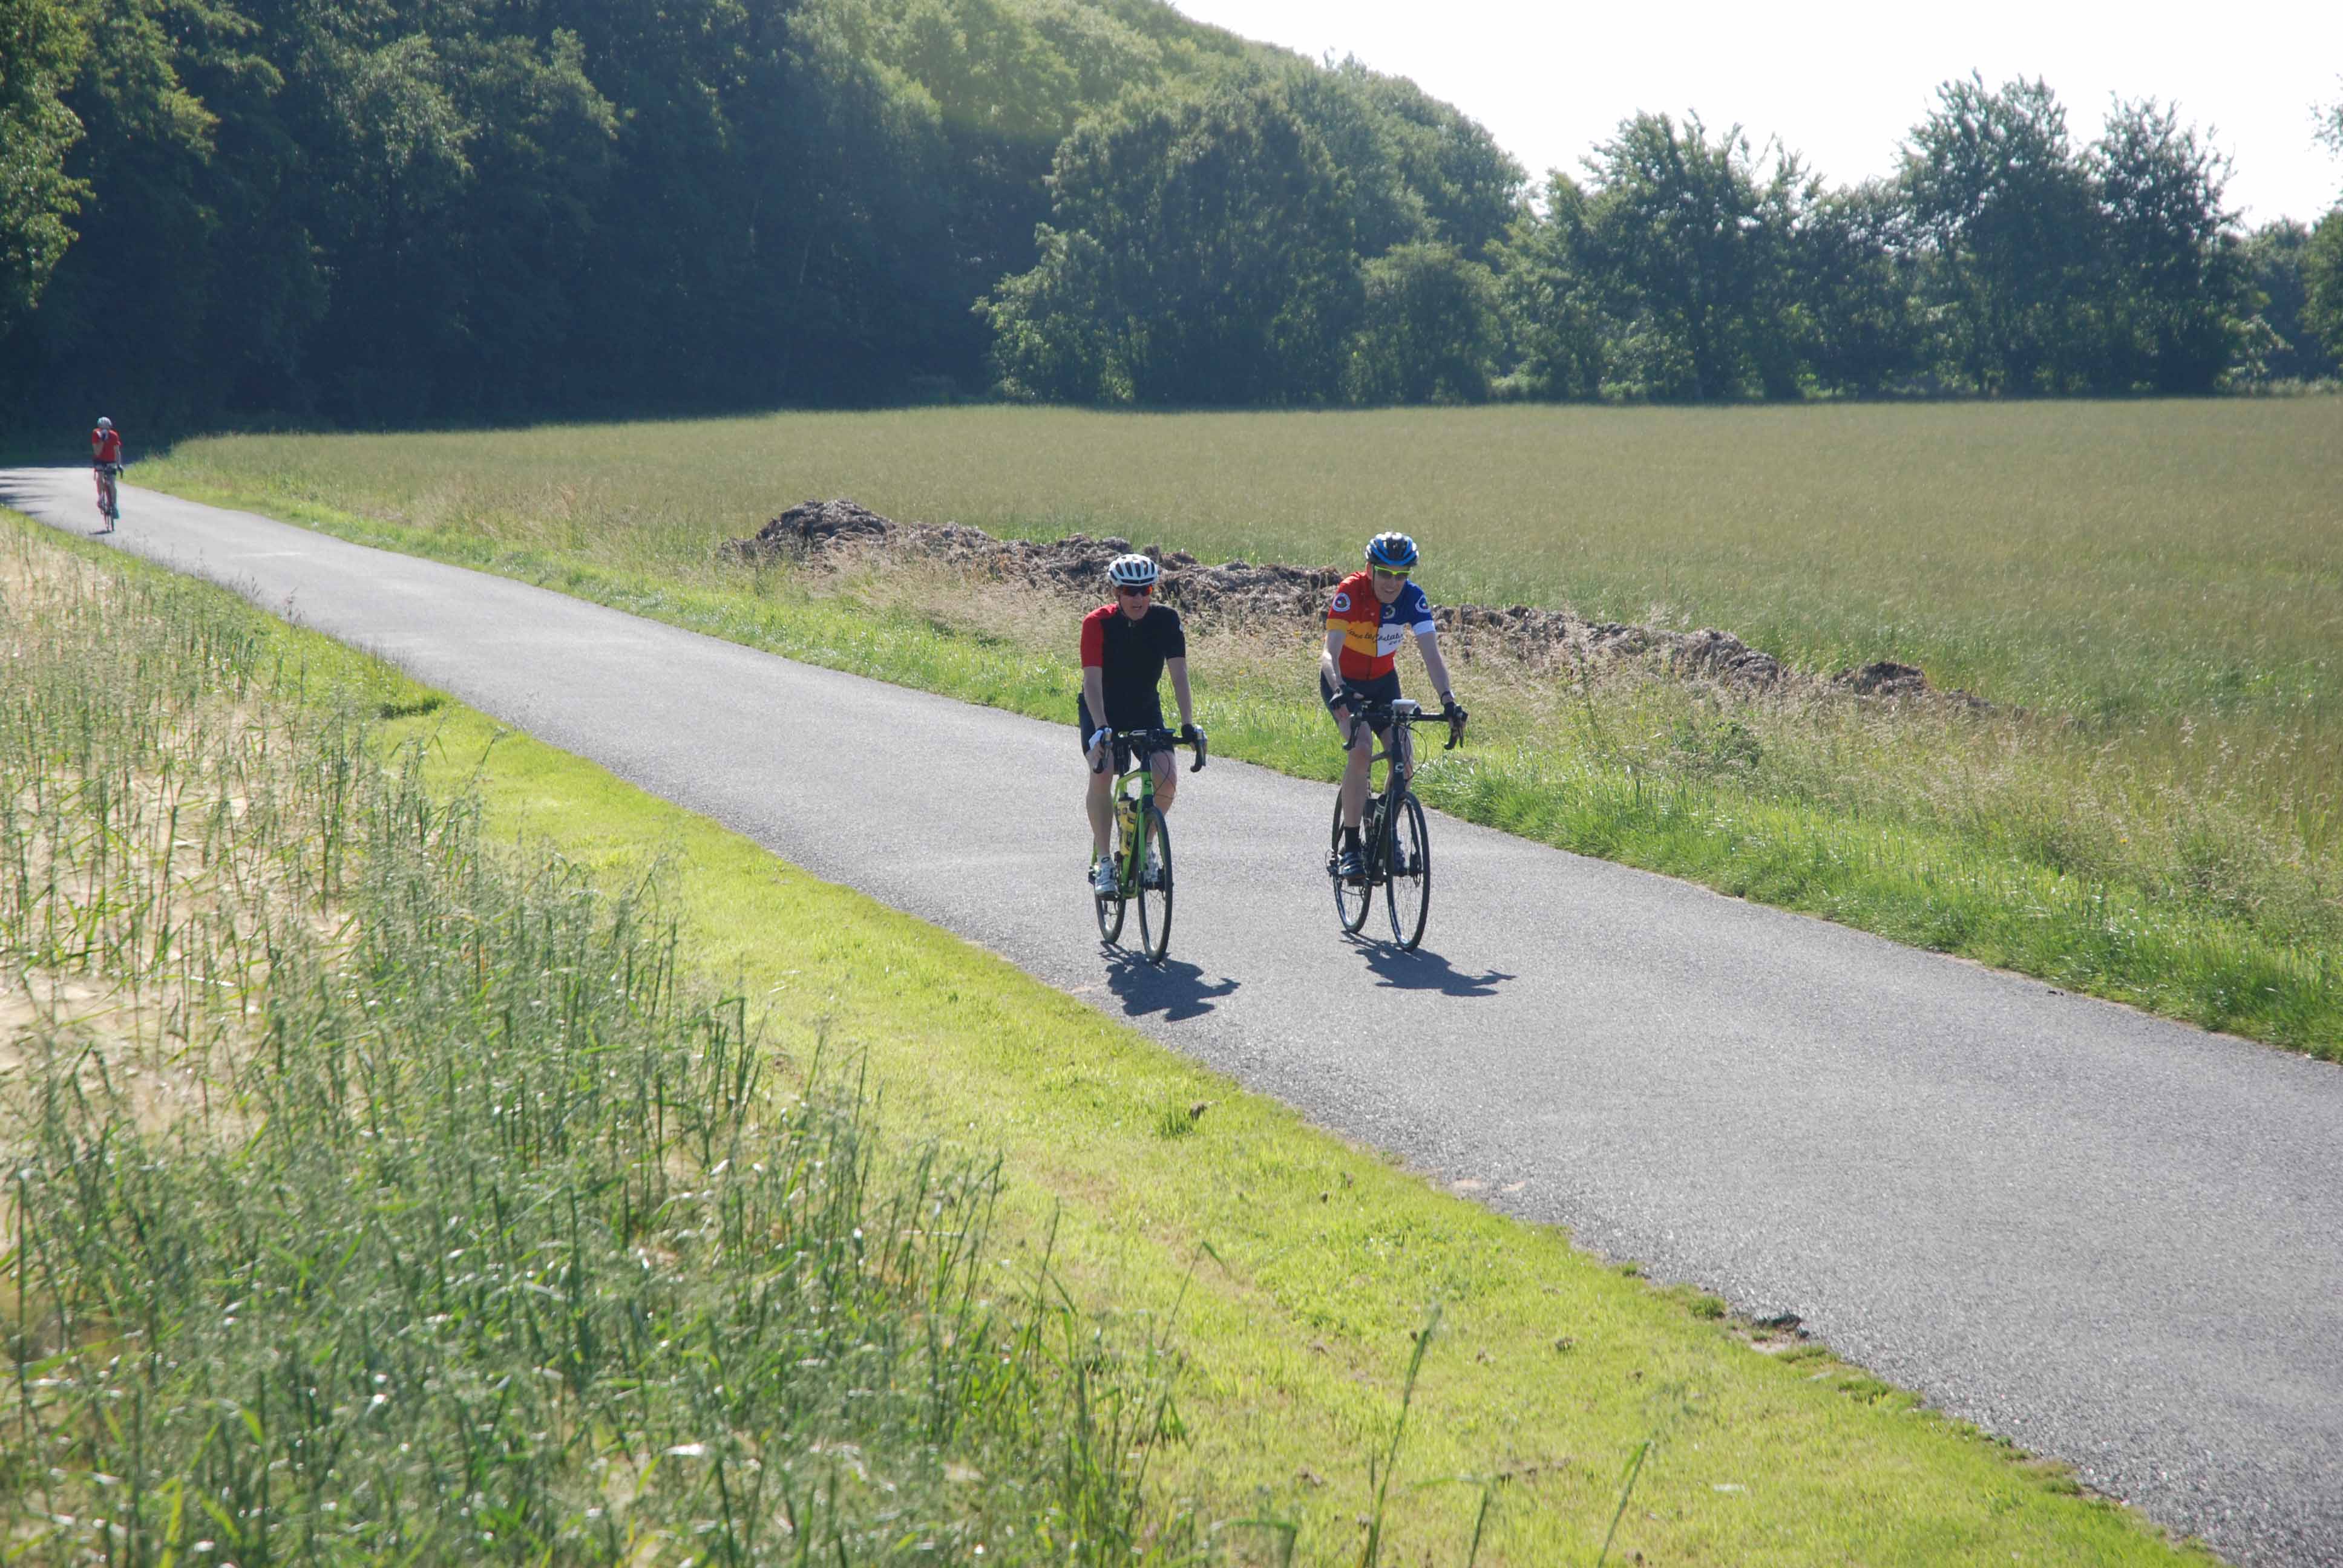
x=1133 y=571
x=104 y=423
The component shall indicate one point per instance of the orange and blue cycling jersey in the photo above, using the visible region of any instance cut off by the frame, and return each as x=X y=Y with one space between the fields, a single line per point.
x=1372 y=630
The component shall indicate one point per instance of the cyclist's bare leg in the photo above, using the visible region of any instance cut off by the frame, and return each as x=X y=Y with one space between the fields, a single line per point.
x=1165 y=766
x=1100 y=805
x=1354 y=768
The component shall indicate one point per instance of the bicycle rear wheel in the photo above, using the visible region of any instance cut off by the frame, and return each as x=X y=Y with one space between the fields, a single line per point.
x=1353 y=899
x=1407 y=891
x=1155 y=887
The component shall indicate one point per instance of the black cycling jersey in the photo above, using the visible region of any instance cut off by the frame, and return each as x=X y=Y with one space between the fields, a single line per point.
x=1129 y=656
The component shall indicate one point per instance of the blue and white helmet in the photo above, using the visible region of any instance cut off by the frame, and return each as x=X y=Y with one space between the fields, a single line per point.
x=1393 y=552
x=1131 y=570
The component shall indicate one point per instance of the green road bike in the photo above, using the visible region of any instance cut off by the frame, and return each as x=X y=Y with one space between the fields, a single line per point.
x=1142 y=849
x=1396 y=843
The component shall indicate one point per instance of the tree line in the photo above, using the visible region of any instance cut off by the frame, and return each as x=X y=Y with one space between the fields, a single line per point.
x=1684 y=266
x=346 y=212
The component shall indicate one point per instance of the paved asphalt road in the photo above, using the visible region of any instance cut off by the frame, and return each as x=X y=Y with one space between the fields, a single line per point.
x=2111 y=1239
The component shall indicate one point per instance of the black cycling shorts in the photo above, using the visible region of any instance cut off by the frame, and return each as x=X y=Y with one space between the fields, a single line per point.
x=1085 y=728
x=1380 y=688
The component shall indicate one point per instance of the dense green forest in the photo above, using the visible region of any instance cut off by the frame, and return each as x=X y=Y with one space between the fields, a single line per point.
x=351 y=212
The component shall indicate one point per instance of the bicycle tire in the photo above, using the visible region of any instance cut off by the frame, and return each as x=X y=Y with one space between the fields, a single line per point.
x=1407 y=883
x=1111 y=905
x=1363 y=891
x=1155 y=887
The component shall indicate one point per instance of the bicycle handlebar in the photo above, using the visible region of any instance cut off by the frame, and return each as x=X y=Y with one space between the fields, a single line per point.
x=1146 y=743
x=1377 y=714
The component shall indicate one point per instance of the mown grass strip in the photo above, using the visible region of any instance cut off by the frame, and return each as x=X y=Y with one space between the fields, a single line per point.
x=1301 y=1269
x=2224 y=932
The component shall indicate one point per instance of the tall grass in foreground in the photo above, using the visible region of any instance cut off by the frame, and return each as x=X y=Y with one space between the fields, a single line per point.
x=377 y=1197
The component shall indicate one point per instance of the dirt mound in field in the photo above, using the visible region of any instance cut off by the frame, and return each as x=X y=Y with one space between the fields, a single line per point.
x=1238 y=591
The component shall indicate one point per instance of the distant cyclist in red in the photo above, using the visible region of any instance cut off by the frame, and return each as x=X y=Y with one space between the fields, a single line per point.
x=106 y=464
x=1127 y=646
x=1370 y=615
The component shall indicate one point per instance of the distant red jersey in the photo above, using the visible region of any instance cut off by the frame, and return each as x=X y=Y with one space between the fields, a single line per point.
x=105 y=445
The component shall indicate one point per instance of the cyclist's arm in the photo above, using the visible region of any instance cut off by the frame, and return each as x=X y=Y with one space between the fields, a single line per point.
x=1094 y=693
x=1179 y=669
x=1330 y=663
x=1428 y=643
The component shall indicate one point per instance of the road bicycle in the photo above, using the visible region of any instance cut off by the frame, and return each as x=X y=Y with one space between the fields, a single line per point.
x=1395 y=846
x=1141 y=851
x=109 y=494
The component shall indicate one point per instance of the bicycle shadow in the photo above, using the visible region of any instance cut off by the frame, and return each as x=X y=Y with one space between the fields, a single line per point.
x=1397 y=969
x=1175 y=989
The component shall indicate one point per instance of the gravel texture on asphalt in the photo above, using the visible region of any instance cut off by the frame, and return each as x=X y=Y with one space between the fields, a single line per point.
x=2107 y=1237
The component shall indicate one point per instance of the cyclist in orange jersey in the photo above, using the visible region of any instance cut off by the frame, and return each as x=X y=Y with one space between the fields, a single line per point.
x=1369 y=615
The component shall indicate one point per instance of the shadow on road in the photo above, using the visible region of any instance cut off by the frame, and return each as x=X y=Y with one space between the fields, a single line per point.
x=21 y=493
x=1423 y=970
x=1175 y=989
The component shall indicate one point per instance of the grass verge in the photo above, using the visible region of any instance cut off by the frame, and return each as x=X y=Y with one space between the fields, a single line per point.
x=1303 y=1272
x=379 y=1195
x=2013 y=840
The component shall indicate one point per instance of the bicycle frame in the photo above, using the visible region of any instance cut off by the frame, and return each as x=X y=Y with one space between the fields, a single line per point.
x=1145 y=745
x=1398 y=750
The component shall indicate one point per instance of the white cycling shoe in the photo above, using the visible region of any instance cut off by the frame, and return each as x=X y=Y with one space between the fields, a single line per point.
x=1104 y=880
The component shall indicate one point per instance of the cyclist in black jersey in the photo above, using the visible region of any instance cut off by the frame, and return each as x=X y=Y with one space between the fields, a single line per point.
x=1127 y=647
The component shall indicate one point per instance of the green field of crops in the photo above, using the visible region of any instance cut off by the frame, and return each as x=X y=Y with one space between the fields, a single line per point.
x=2151 y=592
x=2124 y=558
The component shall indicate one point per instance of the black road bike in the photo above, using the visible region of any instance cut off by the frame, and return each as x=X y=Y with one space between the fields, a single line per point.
x=1395 y=845
x=1141 y=851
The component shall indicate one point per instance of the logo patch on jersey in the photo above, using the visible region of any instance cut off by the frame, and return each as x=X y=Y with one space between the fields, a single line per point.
x=1342 y=601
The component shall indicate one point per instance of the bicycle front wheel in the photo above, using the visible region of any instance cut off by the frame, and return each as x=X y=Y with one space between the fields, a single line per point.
x=1111 y=905
x=1352 y=898
x=1155 y=888
x=1407 y=891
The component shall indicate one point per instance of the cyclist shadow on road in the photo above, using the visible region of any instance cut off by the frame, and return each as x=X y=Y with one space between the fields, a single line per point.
x=1173 y=989
x=1425 y=969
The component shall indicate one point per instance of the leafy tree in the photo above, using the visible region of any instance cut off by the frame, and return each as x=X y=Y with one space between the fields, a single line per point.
x=133 y=292
x=1429 y=330
x=1340 y=111
x=2281 y=346
x=2005 y=212
x=1055 y=337
x=1857 y=287
x=1549 y=312
x=1215 y=235
x=41 y=49
x=2322 y=281
x=1470 y=188
x=1689 y=241
x=2176 y=267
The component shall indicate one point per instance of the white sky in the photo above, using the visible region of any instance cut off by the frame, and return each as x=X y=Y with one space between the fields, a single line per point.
x=1842 y=84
